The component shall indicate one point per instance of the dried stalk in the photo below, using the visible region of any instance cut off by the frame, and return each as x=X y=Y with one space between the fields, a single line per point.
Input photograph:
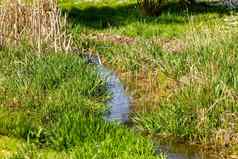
x=38 y=24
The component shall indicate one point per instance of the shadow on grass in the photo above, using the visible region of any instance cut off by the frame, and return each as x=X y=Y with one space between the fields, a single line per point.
x=172 y=13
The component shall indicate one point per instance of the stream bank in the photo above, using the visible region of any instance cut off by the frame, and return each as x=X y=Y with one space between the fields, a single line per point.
x=120 y=108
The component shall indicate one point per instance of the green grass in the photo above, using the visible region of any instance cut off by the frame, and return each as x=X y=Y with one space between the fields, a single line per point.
x=204 y=108
x=53 y=106
x=124 y=18
x=180 y=67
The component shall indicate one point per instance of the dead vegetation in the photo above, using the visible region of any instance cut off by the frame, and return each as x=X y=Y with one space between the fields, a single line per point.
x=38 y=24
x=115 y=39
x=172 y=45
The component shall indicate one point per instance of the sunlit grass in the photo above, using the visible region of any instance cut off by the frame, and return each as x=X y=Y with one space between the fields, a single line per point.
x=55 y=104
x=179 y=67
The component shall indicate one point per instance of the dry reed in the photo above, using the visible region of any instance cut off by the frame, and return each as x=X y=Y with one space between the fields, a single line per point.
x=37 y=23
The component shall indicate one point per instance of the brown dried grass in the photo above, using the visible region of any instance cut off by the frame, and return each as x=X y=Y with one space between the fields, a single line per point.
x=37 y=23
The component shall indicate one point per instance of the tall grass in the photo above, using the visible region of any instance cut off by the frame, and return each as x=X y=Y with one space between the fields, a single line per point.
x=55 y=103
x=203 y=106
x=189 y=93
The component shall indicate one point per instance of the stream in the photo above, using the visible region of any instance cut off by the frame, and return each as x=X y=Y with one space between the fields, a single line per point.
x=119 y=103
x=120 y=108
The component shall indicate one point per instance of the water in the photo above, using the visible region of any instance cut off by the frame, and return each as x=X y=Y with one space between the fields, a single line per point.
x=119 y=110
x=119 y=103
x=184 y=151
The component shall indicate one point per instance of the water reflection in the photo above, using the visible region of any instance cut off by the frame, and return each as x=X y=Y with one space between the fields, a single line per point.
x=184 y=151
x=119 y=102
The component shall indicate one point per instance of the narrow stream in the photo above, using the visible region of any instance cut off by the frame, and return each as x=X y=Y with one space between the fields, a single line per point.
x=119 y=110
x=119 y=103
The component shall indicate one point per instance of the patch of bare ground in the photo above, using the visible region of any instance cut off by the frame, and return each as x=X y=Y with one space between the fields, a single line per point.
x=14 y=103
x=2 y=79
x=115 y=39
x=171 y=45
x=193 y=77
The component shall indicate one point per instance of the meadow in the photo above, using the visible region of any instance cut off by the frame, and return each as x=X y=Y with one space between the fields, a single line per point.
x=53 y=107
x=180 y=68
x=52 y=101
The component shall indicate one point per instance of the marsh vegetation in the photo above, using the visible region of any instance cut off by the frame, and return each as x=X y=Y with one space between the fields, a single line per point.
x=180 y=68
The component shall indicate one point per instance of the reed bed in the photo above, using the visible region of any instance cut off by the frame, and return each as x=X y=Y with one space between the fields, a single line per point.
x=37 y=23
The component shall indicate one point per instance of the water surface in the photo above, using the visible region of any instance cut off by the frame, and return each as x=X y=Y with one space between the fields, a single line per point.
x=119 y=103
x=185 y=151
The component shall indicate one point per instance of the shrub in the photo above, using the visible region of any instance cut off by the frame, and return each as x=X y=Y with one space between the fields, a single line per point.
x=150 y=7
